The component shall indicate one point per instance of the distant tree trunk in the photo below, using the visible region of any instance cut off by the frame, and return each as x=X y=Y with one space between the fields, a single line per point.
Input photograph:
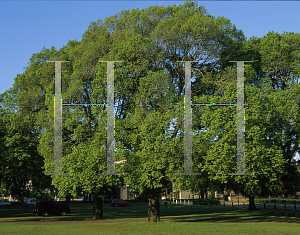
x=251 y=203
x=68 y=198
x=153 y=210
x=97 y=207
x=286 y=194
x=289 y=190
x=90 y=197
x=202 y=194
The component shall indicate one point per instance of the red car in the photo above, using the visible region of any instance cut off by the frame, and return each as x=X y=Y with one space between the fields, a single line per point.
x=119 y=202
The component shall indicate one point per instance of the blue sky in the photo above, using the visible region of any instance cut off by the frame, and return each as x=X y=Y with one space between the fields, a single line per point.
x=28 y=26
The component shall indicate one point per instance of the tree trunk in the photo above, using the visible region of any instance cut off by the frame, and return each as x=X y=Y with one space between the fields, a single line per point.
x=90 y=197
x=251 y=203
x=68 y=198
x=153 y=210
x=97 y=207
x=202 y=194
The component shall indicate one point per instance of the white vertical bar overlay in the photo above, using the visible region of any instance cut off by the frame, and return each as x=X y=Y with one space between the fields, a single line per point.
x=240 y=138
x=57 y=121
x=110 y=146
x=188 y=160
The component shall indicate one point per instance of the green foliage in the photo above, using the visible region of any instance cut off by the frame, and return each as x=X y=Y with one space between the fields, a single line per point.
x=20 y=162
x=149 y=98
x=276 y=62
x=271 y=120
x=266 y=162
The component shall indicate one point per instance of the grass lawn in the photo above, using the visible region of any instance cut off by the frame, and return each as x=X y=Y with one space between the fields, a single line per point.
x=204 y=220
x=140 y=228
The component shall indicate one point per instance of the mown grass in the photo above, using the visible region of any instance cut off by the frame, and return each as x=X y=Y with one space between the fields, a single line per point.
x=83 y=211
x=173 y=228
x=204 y=220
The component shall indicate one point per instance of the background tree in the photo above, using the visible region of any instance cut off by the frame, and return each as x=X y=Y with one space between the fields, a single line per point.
x=149 y=91
x=21 y=165
x=84 y=135
x=262 y=158
x=149 y=166
x=282 y=128
x=277 y=58
x=178 y=33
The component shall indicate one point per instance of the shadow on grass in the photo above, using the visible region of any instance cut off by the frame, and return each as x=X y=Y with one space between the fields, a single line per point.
x=184 y=213
x=217 y=213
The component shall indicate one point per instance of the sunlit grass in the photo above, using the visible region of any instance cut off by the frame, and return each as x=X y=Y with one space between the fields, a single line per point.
x=182 y=228
x=196 y=219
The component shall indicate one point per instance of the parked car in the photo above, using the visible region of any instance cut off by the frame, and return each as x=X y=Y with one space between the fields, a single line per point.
x=119 y=202
x=6 y=204
x=51 y=208
x=31 y=202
